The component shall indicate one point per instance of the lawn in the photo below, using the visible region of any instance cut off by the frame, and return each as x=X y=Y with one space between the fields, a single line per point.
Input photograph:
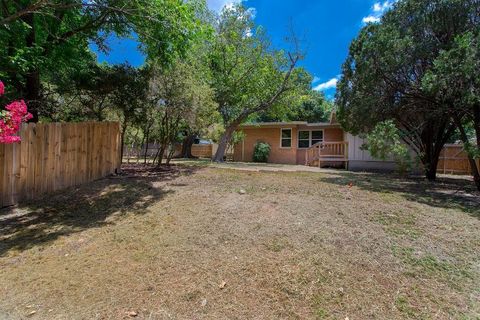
x=199 y=242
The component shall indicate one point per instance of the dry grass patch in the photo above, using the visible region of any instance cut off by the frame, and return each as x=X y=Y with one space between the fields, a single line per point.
x=186 y=244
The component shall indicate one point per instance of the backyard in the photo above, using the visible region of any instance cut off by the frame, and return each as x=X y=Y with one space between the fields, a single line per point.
x=202 y=242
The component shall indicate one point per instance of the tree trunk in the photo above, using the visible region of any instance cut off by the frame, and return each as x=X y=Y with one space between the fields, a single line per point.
x=476 y=123
x=431 y=169
x=156 y=156
x=160 y=154
x=32 y=77
x=122 y=140
x=170 y=154
x=147 y=133
x=223 y=143
x=187 y=146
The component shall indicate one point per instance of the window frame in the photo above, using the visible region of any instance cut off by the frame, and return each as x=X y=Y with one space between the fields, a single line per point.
x=309 y=137
x=281 y=138
x=318 y=140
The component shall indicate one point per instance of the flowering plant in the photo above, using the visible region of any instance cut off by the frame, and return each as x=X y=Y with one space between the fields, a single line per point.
x=11 y=118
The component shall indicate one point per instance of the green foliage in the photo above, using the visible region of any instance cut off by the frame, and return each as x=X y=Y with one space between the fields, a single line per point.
x=314 y=108
x=180 y=101
x=245 y=71
x=454 y=80
x=261 y=152
x=249 y=76
x=237 y=137
x=310 y=106
x=129 y=92
x=384 y=142
x=43 y=44
x=472 y=150
x=382 y=77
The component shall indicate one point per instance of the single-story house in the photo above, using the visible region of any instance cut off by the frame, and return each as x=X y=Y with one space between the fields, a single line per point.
x=323 y=144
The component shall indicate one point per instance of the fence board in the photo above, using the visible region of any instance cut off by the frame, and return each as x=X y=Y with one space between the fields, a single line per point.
x=453 y=160
x=54 y=156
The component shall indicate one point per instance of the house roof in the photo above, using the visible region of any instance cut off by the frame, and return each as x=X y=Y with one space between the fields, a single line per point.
x=290 y=123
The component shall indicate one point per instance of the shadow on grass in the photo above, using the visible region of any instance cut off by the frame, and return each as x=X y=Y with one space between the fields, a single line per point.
x=91 y=205
x=448 y=193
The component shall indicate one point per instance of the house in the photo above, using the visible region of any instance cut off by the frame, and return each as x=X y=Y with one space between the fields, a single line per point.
x=323 y=144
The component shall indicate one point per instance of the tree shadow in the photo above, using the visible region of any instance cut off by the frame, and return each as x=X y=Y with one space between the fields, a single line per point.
x=91 y=205
x=447 y=192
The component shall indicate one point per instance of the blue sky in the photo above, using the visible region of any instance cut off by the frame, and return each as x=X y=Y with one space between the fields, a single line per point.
x=326 y=27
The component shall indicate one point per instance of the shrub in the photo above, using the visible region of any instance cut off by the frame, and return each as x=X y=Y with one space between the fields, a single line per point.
x=385 y=142
x=261 y=152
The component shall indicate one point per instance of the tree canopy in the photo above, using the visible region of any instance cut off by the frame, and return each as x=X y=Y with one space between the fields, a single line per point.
x=44 y=41
x=382 y=77
x=249 y=77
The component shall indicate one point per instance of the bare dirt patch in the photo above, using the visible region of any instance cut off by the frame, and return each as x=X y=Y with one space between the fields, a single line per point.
x=185 y=243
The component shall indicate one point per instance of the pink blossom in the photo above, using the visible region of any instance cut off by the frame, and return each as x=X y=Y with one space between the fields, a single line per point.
x=9 y=139
x=11 y=120
x=2 y=88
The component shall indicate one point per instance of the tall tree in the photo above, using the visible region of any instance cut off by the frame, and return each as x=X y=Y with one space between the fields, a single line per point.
x=382 y=76
x=454 y=80
x=182 y=101
x=40 y=37
x=248 y=76
x=128 y=96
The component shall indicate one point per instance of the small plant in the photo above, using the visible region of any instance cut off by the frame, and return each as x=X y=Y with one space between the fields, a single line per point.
x=261 y=152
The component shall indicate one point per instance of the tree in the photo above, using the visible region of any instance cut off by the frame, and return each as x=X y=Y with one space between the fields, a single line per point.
x=382 y=76
x=311 y=106
x=83 y=95
x=200 y=120
x=38 y=38
x=248 y=76
x=181 y=100
x=128 y=96
x=454 y=81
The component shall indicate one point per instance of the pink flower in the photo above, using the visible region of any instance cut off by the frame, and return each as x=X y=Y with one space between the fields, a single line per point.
x=2 y=88
x=11 y=120
x=9 y=139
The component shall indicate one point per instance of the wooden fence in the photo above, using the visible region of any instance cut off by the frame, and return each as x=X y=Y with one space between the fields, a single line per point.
x=454 y=160
x=53 y=156
x=135 y=152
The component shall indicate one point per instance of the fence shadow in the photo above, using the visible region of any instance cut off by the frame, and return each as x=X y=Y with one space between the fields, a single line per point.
x=449 y=193
x=91 y=205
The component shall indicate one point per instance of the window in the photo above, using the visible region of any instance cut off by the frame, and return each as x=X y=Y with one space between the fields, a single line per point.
x=286 y=138
x=317 y=136
x=303 y=139
x=307 y=138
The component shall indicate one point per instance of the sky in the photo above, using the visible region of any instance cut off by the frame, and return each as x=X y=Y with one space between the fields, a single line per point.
x=326 y=28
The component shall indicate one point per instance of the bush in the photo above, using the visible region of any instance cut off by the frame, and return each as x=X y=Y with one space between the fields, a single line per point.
x=261 y=152
x=385 y=142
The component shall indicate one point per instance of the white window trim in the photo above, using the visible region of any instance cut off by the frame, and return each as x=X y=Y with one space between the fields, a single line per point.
x=291 y=138
x=309 y=137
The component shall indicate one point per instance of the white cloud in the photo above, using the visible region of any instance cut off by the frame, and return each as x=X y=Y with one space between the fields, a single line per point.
x=370 y=19
x=330 y=84
x=378 y=9
x=217 y=5
x=315 y=79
